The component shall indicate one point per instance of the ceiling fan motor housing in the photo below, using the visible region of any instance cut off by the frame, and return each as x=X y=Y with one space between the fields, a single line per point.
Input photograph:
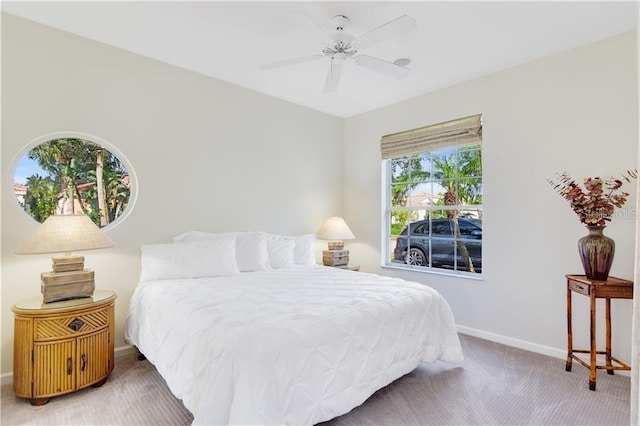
x=343 y=41
x=340 y=22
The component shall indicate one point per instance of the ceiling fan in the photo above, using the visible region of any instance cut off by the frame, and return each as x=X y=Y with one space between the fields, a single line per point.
x=341 y=46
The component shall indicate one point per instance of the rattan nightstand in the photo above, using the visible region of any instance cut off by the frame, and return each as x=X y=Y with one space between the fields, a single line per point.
x=62 y=347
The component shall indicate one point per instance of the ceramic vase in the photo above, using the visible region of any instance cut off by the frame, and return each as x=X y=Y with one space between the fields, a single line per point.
x=596 y=252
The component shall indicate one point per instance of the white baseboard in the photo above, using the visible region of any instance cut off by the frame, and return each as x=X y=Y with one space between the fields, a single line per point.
x=125 y=350
x=516 y=343
x=7 y=378
x=521 y=344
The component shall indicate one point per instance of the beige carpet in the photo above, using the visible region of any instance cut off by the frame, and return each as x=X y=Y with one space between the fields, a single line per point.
x=496 y=385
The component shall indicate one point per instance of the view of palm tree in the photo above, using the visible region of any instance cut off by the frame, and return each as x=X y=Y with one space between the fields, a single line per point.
x=439 y=184
x=81 y=177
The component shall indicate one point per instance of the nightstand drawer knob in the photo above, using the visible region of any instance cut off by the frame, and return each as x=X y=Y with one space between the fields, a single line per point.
x=76 y=324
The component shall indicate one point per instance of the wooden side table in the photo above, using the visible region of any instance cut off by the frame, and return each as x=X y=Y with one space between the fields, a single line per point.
x=613 y=288
x=349 y=267
x=62 y=347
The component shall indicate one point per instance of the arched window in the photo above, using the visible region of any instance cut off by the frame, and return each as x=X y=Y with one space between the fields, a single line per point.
x=73 y=173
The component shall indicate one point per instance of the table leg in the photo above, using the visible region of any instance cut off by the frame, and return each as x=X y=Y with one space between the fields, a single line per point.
x=569 y=331
x=592 y=364
x=608 y=324
x=39 y=401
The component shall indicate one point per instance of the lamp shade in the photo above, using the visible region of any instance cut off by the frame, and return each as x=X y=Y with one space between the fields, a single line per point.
x=64 y=234
x=335 y=228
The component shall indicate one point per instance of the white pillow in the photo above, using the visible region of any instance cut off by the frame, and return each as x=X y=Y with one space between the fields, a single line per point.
x=252 y=252
x=196 y=236
x=305 y=250
x=251 y=247
x=208 y=258
x=281 y=253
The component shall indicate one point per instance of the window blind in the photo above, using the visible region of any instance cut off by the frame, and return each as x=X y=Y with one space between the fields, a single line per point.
x=461 y=131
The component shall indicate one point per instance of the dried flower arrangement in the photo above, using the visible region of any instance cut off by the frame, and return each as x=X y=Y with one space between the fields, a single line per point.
x=597 y=204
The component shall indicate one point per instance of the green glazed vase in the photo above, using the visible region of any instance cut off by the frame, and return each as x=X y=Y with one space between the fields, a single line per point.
x=596 y=252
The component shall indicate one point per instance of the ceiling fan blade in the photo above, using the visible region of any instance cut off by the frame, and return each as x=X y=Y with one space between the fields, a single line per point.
x=335 y=70
x=292 y=61
x=382 y=66
x=391 y=29
x=305 y=20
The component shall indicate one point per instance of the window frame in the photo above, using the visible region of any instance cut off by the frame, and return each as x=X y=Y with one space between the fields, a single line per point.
x=133 y=180
x=389 y=239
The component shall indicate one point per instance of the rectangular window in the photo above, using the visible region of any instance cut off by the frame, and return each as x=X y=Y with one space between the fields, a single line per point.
x=433 y=197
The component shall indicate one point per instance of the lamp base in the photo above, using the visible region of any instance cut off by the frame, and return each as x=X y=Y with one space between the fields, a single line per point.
x=336 y=245
x=58 y=286
x=67 y=263
x=335 y=257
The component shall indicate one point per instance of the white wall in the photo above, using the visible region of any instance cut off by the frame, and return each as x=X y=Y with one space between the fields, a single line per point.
x=208 y=155
x=575 y=111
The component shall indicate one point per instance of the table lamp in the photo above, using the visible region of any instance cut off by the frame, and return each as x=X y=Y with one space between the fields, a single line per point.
x=65 y=234
x=335 y=229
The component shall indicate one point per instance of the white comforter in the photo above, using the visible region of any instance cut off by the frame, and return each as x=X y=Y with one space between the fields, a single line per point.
x=287 y=346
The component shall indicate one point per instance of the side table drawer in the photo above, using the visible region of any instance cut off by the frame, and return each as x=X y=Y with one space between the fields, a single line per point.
x=580 y=288
x=71 y=325
x=614 y=291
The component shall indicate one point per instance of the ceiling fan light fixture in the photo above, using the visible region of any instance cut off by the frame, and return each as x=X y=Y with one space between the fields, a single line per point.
x=339 y=57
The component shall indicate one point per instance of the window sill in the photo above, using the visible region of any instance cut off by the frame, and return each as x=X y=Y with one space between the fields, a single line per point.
x=466 y=275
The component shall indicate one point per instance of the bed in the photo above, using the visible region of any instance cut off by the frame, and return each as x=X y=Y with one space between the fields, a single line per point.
x=295 y=344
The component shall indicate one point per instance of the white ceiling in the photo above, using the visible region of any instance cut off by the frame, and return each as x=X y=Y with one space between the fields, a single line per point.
x=454 y=41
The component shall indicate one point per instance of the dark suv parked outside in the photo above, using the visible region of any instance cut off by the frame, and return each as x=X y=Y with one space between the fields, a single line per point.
x=443 y=244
